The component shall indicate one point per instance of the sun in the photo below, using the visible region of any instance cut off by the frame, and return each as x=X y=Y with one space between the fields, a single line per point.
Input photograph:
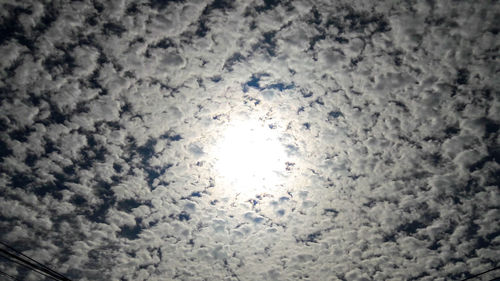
x=250 y=159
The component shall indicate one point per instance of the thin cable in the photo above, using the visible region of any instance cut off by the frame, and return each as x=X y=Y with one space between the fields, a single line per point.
x=484 y=272
x=9 y=276
x=27 y=267
x=26 y=264
x=40 y=265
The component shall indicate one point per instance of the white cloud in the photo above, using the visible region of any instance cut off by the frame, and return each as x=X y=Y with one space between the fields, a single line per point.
x=387 y=115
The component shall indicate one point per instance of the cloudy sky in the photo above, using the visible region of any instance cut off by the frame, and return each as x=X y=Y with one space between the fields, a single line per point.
x=251 y=140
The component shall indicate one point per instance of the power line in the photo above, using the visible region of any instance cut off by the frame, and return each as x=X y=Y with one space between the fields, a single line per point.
x=27 y=262
x=25 y=265
x=19 y=261
x=37 y=264
x=484 y=272
x=9 y=276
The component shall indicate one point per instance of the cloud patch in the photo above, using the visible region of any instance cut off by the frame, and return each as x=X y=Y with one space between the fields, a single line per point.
x=388 y=116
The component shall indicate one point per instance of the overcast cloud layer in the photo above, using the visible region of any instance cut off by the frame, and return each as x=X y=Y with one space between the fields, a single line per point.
x=388 y=113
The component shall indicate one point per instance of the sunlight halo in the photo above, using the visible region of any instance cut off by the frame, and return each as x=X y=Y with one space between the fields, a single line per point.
x=250 y=158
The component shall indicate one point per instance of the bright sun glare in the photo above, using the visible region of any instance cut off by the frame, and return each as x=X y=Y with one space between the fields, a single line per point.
x=250 y=158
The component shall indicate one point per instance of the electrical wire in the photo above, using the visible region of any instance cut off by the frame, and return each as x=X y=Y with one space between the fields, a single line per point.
x=26 y=266
x=40 y=265
x=9 y=276
x=12 y=258
x=484 y=272
x=30 y=263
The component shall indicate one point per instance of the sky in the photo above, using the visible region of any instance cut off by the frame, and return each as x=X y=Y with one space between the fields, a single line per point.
x=251 y=140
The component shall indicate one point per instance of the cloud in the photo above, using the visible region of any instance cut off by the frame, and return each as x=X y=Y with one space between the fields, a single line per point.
x=387 y=115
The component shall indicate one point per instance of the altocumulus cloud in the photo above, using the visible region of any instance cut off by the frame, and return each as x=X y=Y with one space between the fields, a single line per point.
x=388 y=114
